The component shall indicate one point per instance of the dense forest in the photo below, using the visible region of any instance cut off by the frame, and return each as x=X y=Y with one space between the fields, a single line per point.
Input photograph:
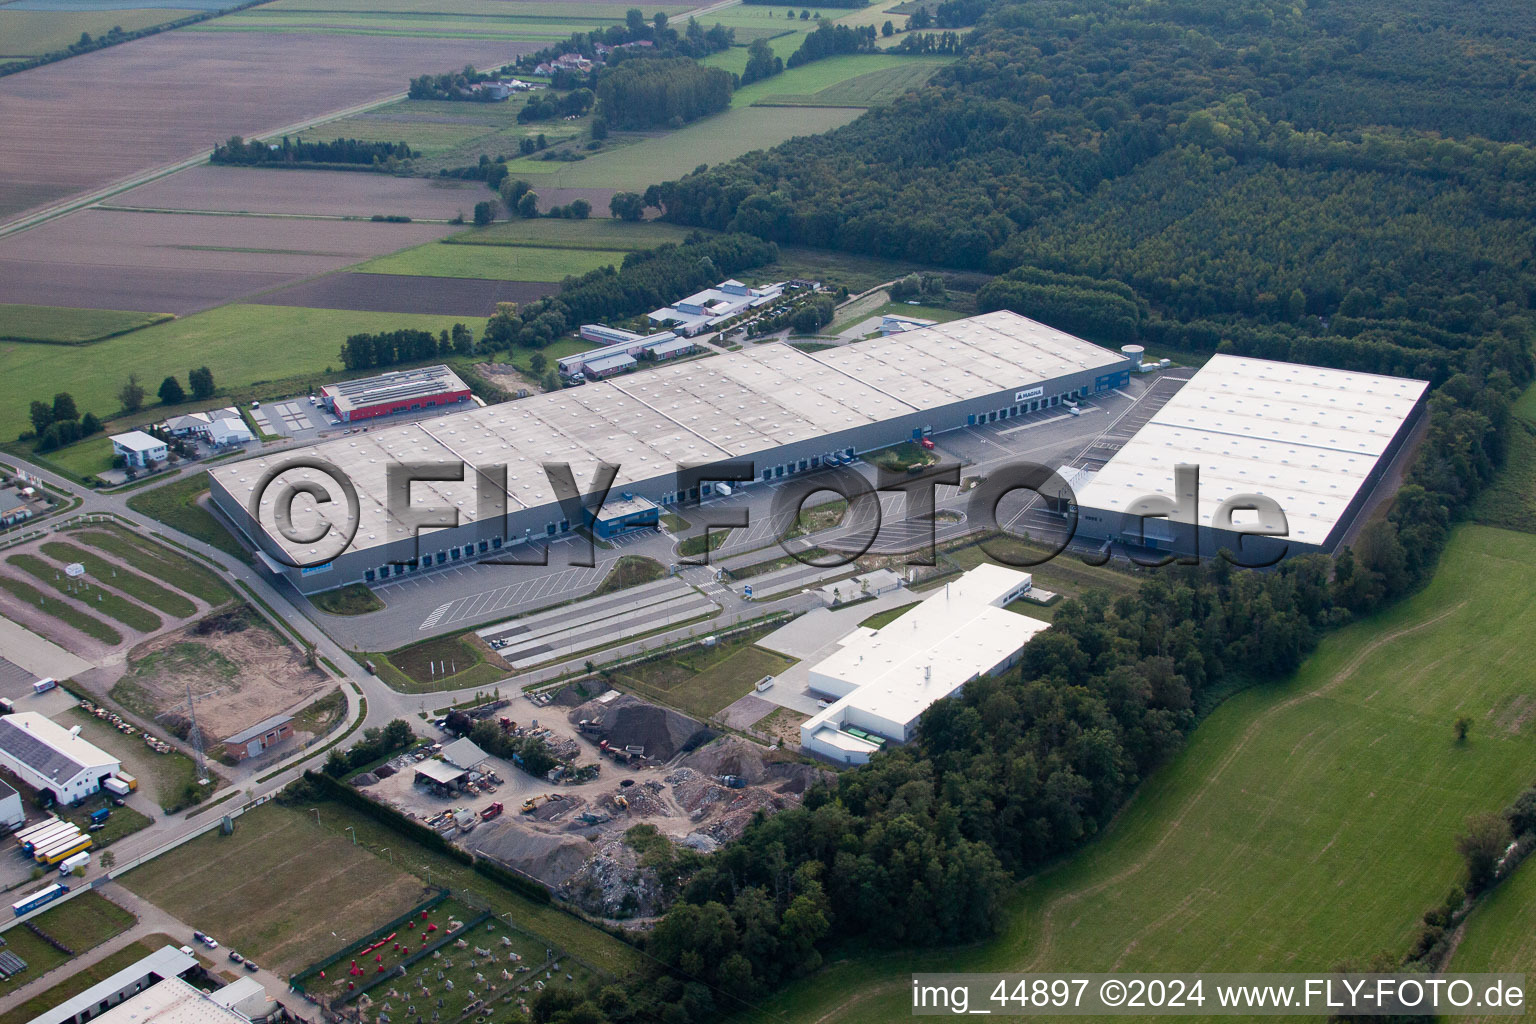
x=660 y=92
x=295 y=151
x=1343 y=183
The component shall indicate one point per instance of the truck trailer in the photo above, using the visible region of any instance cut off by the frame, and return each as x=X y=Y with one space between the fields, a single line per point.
x=115 y=786
x=42 y=897
x=48 y=836
x=64 y=848
x=79 y=860
x=24 y=834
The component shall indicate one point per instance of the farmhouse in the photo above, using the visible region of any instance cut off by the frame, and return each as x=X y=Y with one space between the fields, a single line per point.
x=781 y=411
x=396 y=391
x=881 y=681
x=52 y=759
x=267 y=733
x=165 y=966
x=138 y=448
x=1312 y=441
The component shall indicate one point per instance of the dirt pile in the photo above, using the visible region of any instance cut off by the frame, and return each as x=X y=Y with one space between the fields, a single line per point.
x=614 y=885
x=732 y=755
x=627 y=721
x=552 y=859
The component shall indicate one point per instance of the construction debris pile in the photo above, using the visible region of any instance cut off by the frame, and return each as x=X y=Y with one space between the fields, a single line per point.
x=551 y=858
x=613 y=885
x=628 y=729
x=126 y=727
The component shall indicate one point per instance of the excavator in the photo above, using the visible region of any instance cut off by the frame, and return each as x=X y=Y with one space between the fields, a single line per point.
x=534 y=801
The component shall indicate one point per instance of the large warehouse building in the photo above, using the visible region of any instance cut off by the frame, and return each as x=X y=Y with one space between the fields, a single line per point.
x=52 y=759
x=396 y=391
x=881 y=681
x=784 y=409
x=1315 y=441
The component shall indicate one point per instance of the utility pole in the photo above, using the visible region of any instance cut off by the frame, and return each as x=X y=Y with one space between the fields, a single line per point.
x=197 y=741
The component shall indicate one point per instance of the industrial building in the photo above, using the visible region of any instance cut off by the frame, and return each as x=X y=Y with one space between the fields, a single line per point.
x=164 y=965
x=783 y=410
x=882 y=680
x=619 y=352
x=1312 y=440
x=12 y=814
x=396 y=391
x=629 y=512
x=259 y=738
x=52 y=759
x=138 y=448
x=713 y=306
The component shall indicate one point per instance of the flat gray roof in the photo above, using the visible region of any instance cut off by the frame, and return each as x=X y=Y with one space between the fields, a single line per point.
x=395 y=386
x=732 y=405
x=165 y=962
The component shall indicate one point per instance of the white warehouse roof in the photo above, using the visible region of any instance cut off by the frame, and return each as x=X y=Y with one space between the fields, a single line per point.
x=891 y=675
x=732 y=405
x=1307 y=437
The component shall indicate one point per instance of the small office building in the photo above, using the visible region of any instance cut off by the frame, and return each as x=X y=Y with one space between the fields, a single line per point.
x=138 y=448
x=881 y=681
x=628 y=512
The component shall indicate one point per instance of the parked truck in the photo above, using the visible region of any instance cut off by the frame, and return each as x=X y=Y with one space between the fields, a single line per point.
x=44 y=685
x=68 y=864
x=493 y=811
x=115 y=786
x=131 y=782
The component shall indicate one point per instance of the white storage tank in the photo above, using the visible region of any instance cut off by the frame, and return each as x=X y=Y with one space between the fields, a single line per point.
x=1134 y=353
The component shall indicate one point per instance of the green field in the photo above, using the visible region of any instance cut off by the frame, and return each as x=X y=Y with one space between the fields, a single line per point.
x=598 y=232
x=168 y=779
x=1511 y=501
x=68 y=614
x=33 y=33
x=703 y=681
x=156 y=560
x=83 y=458
x=498 y=262
x=855 y=80
x=83 y=923
x=441 y=663
x=177 y=505
x=418 y=25
x=131 y=583
x=446 y=134
x=62 y=325
x=1304 y=823
x=241 y=344
x=711 y=140
x=87 y=592
x=224 y=885
x=1500 y=934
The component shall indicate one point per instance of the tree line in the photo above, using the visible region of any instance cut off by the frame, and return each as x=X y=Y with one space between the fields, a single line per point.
x=831 y=40
x=661 y=91
x=452 y=86
x=365 y=351
x=294 y=151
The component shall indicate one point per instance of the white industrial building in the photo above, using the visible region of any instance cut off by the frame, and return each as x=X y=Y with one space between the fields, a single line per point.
x=12 y=814
x=52 y=759
x=882 y=680
x=138 y=448
x=778 y=409
x=1312 y=440
x=703 y=310
x=165 y=965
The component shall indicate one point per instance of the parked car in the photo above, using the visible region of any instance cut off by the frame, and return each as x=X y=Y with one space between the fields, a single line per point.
x=236 y=957
x=250 y=965
x=207 y=940
x=926 y=443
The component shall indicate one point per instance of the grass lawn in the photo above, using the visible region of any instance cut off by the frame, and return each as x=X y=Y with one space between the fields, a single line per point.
x=522 y=358
x=703 y=681
x=168 y=779
x=1304 y=823
x=241 y=344
x=131 y=583
x=83 y=923
x=33 y=33
x=319 y=716
x=888 y=616
x=65 y=612
x=631 y=571
x=674 y=522
x=919 y=312
x=332 y=891
x=442 y=663
x=597 y=232
x=818 y=517
x=711 y=140
x=1062 y=574
x=352 y=599
x=176 y=505
x=124 y=821
x=156 y=560
x=1501 y=932
x=1511 y=501
x=690 y=547
x=501 y=262
x=81 y=459
x=109 y=604
x=900 y=456
x=84 y=978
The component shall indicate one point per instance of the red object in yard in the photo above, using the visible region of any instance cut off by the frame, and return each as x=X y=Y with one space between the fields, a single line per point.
x=431 y=927
x=926 y=443
x=322 y=974
x=492 y=811
x=351 y=985
x=381 y=968
x=423 y=915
